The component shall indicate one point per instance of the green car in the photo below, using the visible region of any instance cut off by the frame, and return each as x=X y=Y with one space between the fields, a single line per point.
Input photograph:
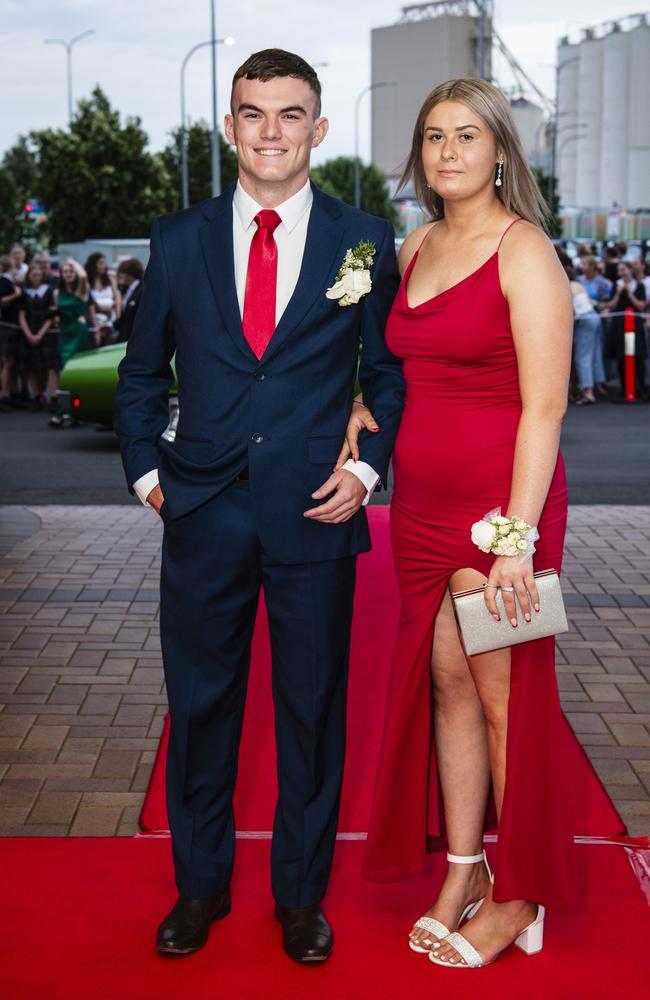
x=88 y=384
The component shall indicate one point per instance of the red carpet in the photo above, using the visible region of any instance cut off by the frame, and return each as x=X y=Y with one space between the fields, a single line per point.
x=373 y=633
x=78 y=919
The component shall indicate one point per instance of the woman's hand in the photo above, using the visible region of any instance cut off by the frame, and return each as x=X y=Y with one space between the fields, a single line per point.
x=512 y=578
x=360 y=419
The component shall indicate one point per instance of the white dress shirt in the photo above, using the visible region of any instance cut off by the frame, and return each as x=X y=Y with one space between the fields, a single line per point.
x=290 y=237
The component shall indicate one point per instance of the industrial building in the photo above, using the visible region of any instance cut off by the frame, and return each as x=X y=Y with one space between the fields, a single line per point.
x=603 y=122
x=431 y=43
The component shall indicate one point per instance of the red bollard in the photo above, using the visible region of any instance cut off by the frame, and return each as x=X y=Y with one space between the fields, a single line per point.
x=630 y=355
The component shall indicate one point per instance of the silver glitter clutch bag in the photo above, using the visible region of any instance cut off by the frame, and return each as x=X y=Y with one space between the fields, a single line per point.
x=481 y=632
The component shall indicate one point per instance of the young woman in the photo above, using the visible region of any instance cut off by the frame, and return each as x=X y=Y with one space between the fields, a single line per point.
x=105 y=296
x=587 y=349
x=599 y=290
x=73 y=303
x=483 y=324
x=629 y=293
x=9 y=298
x=38 y=351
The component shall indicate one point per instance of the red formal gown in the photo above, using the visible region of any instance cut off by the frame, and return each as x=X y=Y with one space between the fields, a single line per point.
x=453 y=463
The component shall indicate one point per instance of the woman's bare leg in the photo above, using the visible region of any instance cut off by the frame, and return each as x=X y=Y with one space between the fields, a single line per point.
x=496 y=925
x=463 y=767
x=52 y=383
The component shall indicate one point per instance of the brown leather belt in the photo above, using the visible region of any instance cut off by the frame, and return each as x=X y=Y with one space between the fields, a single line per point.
x=242 y=476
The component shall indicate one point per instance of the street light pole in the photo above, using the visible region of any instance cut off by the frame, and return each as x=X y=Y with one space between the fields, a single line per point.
x=68 y=46
x=216 y=164
x=185 y=179
x=551 y=177
x=357 y=165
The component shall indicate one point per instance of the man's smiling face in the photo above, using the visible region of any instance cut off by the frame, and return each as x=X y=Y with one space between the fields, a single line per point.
x=274 y=129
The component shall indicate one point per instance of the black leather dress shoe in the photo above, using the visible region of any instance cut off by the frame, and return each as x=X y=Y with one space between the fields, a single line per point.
x=185 y=929
x=307 y=936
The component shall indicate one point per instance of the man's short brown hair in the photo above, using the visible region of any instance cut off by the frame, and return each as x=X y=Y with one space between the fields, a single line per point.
x=271 y=63
x=131 y=266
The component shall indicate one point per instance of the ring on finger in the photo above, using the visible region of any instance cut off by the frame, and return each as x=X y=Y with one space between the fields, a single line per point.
x=493 y=586
x=508 y=590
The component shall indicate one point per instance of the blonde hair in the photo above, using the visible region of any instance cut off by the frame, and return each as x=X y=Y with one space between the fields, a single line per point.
x=81 y=287
x=519 y=191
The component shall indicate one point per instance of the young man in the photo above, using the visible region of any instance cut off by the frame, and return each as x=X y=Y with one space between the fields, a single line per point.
x=266 y=365
x=129 y=281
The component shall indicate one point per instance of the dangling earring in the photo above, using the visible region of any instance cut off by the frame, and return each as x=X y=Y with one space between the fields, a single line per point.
x=498 y=180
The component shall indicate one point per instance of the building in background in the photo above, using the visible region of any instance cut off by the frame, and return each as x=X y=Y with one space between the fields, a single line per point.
x=532 y=124
x=595 y=138
x=431 y=43
x=603 y=124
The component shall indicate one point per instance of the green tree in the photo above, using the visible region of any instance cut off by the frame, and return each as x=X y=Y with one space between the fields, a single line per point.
x=11 y=211
x=18 y=184
x=199 y=156
x=555 y=225
x=336 y=178
x=98 y=178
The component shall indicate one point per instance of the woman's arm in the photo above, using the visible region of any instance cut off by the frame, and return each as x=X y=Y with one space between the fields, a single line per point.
x=541 y=318
x=117 y=300
x=22 y=321
x=361 y=417
x=639 y=303
x=43 y=330
x=92 y=315
x=613 y=302
x=7 y=299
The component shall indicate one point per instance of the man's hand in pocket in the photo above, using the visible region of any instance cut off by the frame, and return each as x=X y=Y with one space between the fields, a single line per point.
x=156 y=499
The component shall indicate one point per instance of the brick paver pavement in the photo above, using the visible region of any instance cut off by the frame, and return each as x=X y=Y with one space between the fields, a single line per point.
x=81 y=687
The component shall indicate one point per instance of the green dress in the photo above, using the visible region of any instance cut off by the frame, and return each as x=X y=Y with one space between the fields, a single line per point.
x=73 y=332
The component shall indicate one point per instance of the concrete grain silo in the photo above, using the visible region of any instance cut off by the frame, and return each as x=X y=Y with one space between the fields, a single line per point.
x=613 y=130
x=638 y=153
x=589 y=119
x=566 y=148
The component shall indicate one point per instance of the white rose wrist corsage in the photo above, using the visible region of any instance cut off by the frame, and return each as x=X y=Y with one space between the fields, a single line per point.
x=353 y=280
x=505 y=536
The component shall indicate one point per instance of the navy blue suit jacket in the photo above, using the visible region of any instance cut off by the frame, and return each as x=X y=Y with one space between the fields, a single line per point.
x=283 y=416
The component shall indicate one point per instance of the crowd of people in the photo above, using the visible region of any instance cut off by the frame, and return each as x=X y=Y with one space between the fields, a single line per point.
x=603 y=288
x=47 y=316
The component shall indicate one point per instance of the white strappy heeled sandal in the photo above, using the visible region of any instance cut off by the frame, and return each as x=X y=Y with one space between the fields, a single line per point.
x=437 y=928
x=531 y=941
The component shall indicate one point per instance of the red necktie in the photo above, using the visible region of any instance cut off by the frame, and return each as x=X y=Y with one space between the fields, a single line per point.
x=259 y=300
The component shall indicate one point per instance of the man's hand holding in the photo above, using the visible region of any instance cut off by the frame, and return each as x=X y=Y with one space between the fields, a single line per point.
x=349 y=494
x=156 y=499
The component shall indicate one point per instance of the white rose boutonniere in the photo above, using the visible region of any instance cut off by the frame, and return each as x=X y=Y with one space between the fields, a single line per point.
x=353 y=280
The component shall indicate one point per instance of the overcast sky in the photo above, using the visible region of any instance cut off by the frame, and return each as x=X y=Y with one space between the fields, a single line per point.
x=138 y=47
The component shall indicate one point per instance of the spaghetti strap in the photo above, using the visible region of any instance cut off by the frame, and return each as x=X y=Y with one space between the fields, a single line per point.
x=425 y=237
x=502 y=234
x=411 y=263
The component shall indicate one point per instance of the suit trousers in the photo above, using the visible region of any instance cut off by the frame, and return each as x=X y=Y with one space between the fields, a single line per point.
x=213 y=568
